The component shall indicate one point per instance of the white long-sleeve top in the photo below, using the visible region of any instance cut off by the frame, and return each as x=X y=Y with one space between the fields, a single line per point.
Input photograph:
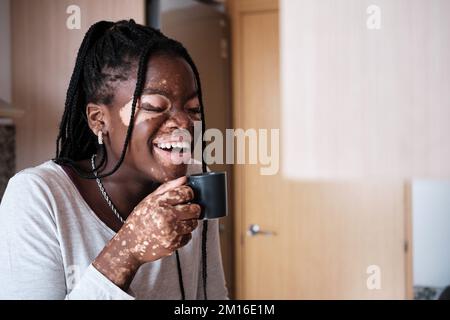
x=49 y=237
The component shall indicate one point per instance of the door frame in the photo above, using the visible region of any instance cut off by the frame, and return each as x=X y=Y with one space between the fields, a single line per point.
x=237 y=9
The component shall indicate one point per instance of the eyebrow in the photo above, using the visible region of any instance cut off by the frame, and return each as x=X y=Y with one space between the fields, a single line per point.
x=167 y=94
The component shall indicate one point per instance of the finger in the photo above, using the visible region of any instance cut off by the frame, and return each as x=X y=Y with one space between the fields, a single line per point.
x=178 y=195
x=186 y=226
x=170 y=185
x=188 y=211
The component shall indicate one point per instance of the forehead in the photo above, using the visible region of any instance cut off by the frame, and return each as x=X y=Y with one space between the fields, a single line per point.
x=170 y=74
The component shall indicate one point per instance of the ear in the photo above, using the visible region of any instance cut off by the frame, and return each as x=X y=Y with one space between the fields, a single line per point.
x=97 y=118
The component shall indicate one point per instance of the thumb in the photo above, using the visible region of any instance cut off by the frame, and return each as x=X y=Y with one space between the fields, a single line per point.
x=170 y=185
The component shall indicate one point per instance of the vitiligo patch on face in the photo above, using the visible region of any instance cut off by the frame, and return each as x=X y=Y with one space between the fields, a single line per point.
x=140 y=115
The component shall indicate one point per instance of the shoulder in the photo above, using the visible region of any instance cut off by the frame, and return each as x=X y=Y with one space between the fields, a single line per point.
x=47 y=171
x=47 y=176
x=32 y=190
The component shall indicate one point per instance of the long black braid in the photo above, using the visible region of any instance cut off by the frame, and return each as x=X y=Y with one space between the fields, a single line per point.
x=108 y=54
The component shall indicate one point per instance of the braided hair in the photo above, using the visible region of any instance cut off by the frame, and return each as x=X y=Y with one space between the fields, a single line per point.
x=109 y=53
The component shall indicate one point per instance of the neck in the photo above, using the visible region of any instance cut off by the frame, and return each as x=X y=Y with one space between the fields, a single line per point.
x=125 y=187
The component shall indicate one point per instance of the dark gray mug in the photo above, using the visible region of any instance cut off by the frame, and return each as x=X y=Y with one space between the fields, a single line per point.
x=210 y=192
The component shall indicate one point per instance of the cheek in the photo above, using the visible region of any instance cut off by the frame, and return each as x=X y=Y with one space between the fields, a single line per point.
x=145 y=127
x=147 y=118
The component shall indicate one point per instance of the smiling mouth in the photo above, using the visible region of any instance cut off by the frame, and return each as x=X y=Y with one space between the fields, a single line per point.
x=180 y=147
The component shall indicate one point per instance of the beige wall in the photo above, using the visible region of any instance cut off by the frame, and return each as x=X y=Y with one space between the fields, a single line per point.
x=43 y=57
x=5 y=51
x=361 y=102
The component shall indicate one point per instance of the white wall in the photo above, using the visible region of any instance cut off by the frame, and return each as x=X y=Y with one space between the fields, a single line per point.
x=431 y=233
x=359 y=101
x=5 y=52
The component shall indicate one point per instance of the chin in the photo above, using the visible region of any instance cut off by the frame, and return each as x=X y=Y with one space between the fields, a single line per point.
x=171 y=157
x=173 y=172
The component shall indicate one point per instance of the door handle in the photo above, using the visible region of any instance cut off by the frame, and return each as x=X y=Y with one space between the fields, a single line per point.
x=255 y=229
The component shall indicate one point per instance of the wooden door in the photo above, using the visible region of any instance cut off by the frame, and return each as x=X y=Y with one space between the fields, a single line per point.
x=326 y=236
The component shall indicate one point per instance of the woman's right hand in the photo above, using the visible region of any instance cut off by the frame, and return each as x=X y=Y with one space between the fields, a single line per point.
x=161 y=223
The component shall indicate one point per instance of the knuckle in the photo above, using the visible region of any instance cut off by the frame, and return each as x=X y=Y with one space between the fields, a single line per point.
x=187 y=192
x=196 y=208
x=174 y=235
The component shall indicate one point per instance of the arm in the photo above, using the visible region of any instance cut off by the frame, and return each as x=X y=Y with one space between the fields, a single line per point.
x=31 y=264
x=160 y=224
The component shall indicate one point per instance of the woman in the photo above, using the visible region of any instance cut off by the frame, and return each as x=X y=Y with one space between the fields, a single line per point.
x=103 y=219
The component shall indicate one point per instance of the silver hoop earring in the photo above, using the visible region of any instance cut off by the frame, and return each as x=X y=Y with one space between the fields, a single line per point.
x=100 y=137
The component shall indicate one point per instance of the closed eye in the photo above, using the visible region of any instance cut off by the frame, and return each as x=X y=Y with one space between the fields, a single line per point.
x=195 y=110
x=149 y=107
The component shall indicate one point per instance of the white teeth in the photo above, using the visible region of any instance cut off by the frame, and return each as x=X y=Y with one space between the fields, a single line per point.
x=168 y=145
x=163 y=145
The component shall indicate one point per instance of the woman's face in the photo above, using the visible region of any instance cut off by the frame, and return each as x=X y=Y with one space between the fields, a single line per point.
x=169 y=102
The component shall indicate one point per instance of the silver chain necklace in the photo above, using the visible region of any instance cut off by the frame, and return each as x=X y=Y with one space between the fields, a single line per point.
x=103 y=191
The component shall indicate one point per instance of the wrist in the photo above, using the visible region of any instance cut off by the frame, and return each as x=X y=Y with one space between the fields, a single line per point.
x=117 y=263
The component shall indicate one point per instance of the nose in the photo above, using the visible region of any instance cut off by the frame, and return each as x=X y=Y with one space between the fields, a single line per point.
x=179 y=119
